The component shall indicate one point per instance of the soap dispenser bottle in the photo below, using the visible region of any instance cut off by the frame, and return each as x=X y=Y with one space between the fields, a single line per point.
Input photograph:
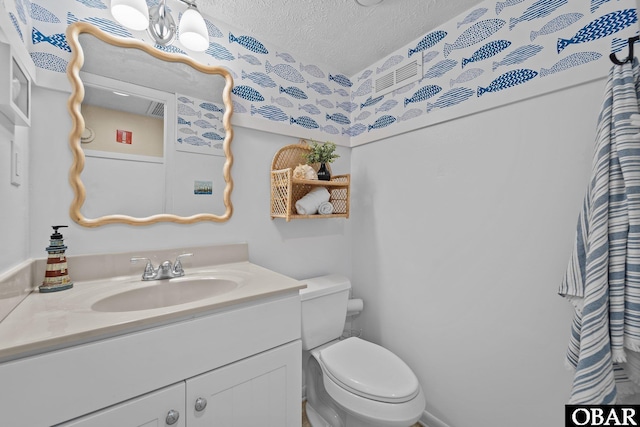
x=56 y=277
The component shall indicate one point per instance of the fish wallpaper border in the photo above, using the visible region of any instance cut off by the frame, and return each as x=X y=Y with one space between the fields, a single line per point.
x=494 y=54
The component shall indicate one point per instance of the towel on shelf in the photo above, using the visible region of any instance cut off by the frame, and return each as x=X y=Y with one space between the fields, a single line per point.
x=309 y=203
x=602 y=280
x=325 y=208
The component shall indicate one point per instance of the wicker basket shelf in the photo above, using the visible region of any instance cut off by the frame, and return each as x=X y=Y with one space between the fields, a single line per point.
x=286 y=190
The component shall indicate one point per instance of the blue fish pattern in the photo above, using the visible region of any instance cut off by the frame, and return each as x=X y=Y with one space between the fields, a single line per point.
x=248 y=93
x=14 y=21
x=248 y=43
x=270 y=112
x=364 y=89
x=342 y=80
x=452 y=97
x=325 y=103
x=250 y=59
x=390 y=62
x=508 y=79
x=182 y=121
x=187 y=131
x=604 y=26
x=473 y=16
x=556 y=24
x=213 y=136
x=519 y=55
x=386 y=106
x=470 y=74
x=309 y=108
x=212 y=29
x=170 y=49
x=188 y=111
x=365 y=75
x=282 y=101
x=238 y=108
x=285 y=71
x=49 y=61
x=305 y=122
x=347 y=106
x=106 y=25
x=428 y=42
x=57 y=40
x=41 y=14
x=341 y=92
x=194 y=140
x=95 y=4
x=409 y=114
x=219 y=52
x=185 y=100
x=475 y=34
x=211 y=116
x=595 y=4
x=371 y=101
x=20 y=11
x=363 y=116
x=429 y=56
x=570 y=61
x=423 y=94
x=294 y=92
x=354 y=130
x=382 y=122
x=320 y=87
x=211 y=107
x=441 y=68
x=503 y=4
x=288 y=58
x=259 y=78
x=403 y=89
x=539 y=9
x=487 y=51
x=203 y=124
x=338 y=118
x=331 y=129
x=312 y=70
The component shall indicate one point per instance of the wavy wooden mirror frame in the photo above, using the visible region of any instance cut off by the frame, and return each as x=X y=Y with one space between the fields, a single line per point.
x=78 y=124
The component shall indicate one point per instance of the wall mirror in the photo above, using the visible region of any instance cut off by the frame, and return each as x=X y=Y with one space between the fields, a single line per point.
x=151 y=133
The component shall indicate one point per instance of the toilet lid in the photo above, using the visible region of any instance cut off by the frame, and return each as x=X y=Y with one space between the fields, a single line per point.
x=370 y=371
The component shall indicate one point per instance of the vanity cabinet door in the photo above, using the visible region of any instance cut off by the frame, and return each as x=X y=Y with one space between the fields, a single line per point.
x=262 y=390
x=164 y=407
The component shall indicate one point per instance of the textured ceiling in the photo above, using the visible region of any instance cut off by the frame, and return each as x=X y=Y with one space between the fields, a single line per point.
x=337 y=33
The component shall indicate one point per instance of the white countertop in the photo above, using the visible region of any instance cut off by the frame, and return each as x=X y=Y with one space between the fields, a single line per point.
x=47 y=321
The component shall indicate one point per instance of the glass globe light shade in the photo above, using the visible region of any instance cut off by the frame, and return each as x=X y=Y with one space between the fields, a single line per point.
x=192 y=31
x=133 y=14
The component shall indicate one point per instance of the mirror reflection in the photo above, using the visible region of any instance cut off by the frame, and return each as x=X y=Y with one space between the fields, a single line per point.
x=152 y=133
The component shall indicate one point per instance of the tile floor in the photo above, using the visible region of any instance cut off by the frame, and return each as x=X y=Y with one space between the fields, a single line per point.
x=305 y=421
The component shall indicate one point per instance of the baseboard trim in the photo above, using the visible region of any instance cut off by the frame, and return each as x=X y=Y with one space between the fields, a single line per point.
x=430 y=420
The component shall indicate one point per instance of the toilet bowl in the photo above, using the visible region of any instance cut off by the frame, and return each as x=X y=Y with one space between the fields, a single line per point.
x=351 y=382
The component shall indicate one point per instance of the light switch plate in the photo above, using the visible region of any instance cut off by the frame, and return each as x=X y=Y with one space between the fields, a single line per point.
x=16 y=164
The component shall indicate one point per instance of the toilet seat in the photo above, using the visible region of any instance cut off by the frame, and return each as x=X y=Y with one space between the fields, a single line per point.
x=369 y=371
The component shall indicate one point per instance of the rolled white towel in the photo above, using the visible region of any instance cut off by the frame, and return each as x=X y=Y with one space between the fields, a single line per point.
x=325 y=208
x=309 y=203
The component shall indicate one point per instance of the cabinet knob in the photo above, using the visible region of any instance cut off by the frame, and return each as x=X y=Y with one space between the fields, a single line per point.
x=201 y=403
x=172 y=417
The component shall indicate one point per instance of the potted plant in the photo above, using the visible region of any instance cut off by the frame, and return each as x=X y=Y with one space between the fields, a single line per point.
x=323 y=154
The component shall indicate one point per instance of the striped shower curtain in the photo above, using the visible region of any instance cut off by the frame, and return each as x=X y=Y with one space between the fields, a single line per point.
x=603 y=277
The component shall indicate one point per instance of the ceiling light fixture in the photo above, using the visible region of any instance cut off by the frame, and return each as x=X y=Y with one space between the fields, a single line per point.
x=192 y=30
x=368 y=3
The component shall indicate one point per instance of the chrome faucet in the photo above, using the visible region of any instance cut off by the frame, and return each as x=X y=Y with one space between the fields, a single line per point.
x=166 y=270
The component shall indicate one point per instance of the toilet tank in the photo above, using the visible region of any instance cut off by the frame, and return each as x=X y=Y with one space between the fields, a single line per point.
x=324 y=308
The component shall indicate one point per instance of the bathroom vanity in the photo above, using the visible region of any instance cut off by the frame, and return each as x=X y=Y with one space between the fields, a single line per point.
x=232 y=358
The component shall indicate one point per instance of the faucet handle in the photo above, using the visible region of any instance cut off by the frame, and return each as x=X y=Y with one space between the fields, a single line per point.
x=149 y=271
x=177 y=266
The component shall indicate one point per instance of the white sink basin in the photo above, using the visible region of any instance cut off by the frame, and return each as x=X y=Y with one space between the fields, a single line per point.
x=165 y=293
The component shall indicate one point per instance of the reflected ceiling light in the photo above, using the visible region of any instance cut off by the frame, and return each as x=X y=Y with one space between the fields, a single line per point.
x=368 y=2
x=192 y=30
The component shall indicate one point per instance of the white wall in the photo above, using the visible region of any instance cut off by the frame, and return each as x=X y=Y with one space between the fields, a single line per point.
x=462 y=232
x=298 y=248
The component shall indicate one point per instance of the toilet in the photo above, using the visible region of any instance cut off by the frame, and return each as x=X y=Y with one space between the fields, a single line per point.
x=351 y=382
